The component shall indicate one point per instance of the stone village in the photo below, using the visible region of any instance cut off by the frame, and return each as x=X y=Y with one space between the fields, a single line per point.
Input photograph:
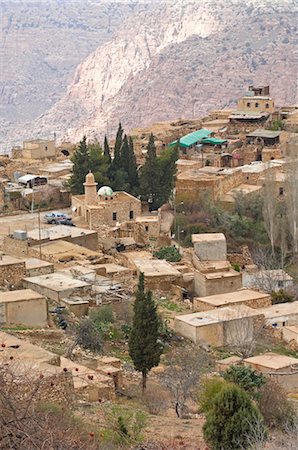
x=218 y=302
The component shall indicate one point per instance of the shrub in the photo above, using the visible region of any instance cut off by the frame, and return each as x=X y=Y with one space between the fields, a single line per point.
x=230 y=420
x=88 y=336
x=236 y=267
x=276 y=409
x=276 y=125
x=156 y=399
x=124 y=426
x=245 y=377
x=102 y=314
x=209 y=389
x=281 y=296
x=170 y=254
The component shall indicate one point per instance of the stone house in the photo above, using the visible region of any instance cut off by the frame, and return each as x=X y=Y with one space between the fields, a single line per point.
x=12 y=271
x=247 y=297
x=23 y=307
x=105 y=207
x=281 y=368
x=220 y=327
x=257 y=99
x=281 y=314
x=22 y=243
x=35 y=149
x=58 y=285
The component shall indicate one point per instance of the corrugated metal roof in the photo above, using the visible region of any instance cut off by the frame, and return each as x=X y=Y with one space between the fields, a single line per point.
x=213 y=141
x=192 y=138
x=264 y=133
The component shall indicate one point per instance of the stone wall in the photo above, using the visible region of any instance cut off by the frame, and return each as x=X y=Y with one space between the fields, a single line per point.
x=32 y=313
x=219 y=284
x=15 y=247
x=12 y=274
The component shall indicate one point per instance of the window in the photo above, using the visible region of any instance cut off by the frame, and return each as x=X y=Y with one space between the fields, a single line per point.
x=114 y=216
x=256 y=105
x=281 y=191
x=280 y=284
x=46 y=147
x=247 y=178
x=146 y=228
x=284 y=324
x=248 y=104
x=267 y=105
x=130 y=215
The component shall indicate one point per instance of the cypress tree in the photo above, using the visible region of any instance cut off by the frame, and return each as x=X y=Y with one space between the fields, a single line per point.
x=150 y=176
x=106 y=150
x=98 y=164
x=124 y=155
x=133 y=176
x=117 y=148
x=144 y=348
x=231 y=420
x=81 y=167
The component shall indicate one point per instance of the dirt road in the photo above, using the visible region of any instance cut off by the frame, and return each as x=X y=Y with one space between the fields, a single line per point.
x=22 y=221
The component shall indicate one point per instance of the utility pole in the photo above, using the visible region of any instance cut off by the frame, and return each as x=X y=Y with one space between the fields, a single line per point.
x=32 y=200
x=39 y=233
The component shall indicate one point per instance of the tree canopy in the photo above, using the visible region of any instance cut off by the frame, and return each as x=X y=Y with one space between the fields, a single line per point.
x=144 y=346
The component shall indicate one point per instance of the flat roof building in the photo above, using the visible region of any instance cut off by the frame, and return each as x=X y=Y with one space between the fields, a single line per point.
x=158 y=273
x=210 y=246
x=218 y=327
x=12 y=271
x=267 y=137
x=57 y=285
x=281 y=368
x=281 y=314
x=23 y=307
x=248 y=297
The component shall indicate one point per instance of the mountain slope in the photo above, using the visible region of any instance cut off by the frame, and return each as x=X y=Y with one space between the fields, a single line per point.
x=177 y=59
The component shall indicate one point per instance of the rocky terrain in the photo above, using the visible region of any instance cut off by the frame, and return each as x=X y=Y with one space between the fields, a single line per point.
x=158 y=61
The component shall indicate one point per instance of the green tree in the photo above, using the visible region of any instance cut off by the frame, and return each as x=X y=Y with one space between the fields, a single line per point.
x=167 y=173
x=81 y=167
x=144 y=346
x=132 y=169
x=106 y=150
x=231 y=422
x=116 y=164
x=98 y=164
x=150 y=177
x=245 y=377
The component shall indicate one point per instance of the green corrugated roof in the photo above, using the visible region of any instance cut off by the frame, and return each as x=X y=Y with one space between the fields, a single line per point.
x=192 y=138
x=173 y=144
x=213 y=141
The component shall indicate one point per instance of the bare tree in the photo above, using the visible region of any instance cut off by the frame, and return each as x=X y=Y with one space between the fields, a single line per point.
x=28 y=421
x=291 y=191
x=270 y=207
x=244 y=333
x=182 y=376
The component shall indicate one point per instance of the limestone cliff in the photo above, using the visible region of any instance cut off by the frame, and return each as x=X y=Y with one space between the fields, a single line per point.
x=177 y=59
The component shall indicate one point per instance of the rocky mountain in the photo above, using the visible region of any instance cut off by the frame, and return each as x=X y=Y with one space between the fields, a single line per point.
x=169 y=60
x=42 y=43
